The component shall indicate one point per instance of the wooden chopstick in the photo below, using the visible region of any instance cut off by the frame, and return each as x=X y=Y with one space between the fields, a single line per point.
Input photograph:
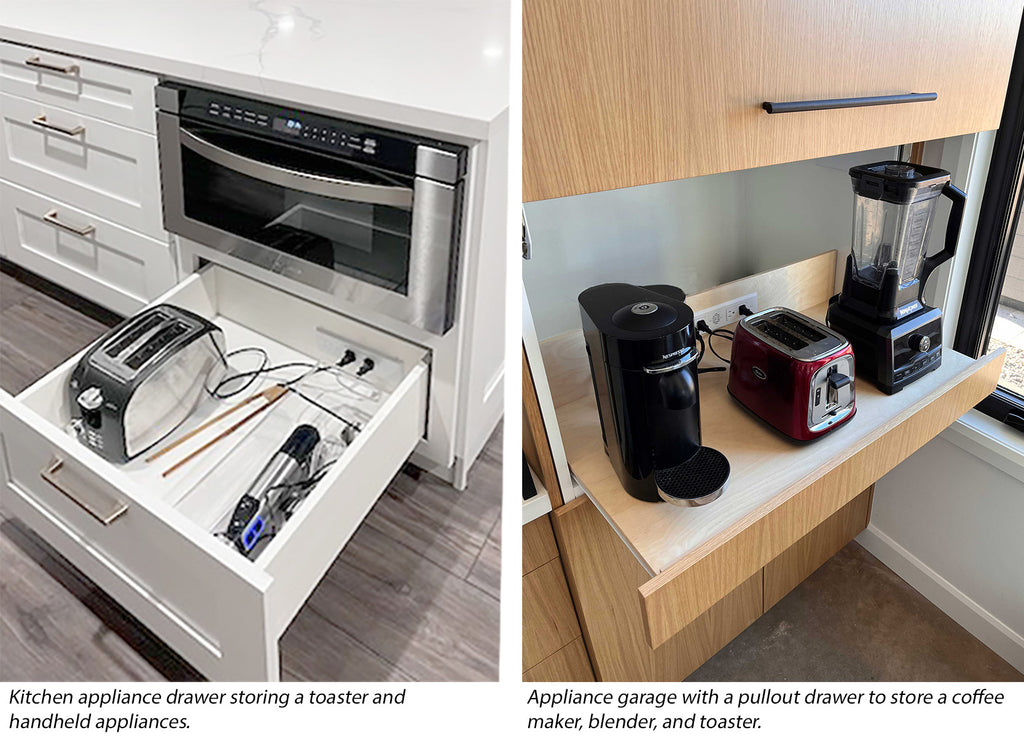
x=272 y=394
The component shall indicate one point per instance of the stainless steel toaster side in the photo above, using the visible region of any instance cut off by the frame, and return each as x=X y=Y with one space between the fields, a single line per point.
x=135 y=385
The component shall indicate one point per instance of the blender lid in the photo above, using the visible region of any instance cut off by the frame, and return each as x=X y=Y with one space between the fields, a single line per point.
x=898 y=181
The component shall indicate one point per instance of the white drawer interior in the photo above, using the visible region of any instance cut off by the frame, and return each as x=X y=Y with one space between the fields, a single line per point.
x=205 y=490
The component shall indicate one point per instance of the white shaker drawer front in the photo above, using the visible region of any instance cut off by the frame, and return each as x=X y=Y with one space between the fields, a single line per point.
x=103 y=262
x=168 y=575
x=151 y=541
x=92 y=88
x=105 y=169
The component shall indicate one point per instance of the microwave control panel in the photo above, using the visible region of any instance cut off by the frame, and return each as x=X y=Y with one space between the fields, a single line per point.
x=364 y=143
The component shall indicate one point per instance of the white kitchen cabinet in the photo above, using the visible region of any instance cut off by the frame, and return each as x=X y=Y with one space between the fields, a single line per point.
x=160 y=557
x=103 y=261
x=80 y=199
x=118 y=95
x=108 y=170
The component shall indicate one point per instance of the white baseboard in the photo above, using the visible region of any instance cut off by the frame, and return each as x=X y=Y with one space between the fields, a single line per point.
x=1008 y=644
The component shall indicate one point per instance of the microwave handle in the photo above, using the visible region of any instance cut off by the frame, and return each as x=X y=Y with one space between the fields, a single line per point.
x=317 y=184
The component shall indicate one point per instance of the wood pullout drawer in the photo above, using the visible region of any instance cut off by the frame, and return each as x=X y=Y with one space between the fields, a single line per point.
x=161 y=560
x=101 y=261
x=110 y=93
x=105 y=169
x=686 y=564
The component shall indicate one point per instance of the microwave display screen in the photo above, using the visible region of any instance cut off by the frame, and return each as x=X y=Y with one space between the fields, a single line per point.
x=288 y=125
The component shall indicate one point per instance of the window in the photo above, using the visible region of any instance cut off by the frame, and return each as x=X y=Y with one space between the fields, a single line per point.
x=992 y=312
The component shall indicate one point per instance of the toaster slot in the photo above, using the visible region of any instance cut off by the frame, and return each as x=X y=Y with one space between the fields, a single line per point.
x=795 y=326
x=776 y=333
x=156 y=344
x=134 y=333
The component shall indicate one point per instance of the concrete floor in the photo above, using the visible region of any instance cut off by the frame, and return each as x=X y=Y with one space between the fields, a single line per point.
x=855 y=620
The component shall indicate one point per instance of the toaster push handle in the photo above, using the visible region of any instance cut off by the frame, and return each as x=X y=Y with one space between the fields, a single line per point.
x=93 y=500
x=839 y=386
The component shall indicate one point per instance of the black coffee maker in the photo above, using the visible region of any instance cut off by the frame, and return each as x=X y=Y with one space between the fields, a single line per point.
x=896 y=337
x=643 y=355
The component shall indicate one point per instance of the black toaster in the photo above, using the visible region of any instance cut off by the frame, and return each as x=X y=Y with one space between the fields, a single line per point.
x=139 y=382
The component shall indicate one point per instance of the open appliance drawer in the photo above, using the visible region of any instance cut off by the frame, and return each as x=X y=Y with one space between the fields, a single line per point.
x=156 y=548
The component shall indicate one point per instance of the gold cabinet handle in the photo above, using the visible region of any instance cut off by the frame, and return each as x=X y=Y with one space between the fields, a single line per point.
x=40 y=121
x=82 y=231
x=97 y=502
x=37 y=62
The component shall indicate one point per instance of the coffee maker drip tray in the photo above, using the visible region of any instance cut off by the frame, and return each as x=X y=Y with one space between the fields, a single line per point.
x=698 y=481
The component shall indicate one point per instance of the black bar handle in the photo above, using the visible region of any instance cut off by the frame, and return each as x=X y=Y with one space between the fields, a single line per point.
x=782 y=107
x=956 y=217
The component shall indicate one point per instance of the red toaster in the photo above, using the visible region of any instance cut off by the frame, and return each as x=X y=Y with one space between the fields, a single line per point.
x=793 y=372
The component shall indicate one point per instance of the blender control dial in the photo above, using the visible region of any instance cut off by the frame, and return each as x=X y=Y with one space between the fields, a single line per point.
x=918 y=342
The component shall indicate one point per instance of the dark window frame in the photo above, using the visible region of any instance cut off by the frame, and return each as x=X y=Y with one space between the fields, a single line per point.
x=993 y=242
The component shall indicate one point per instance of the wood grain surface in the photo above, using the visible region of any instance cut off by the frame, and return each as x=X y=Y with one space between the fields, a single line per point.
x=538 y=544
x=549 y=619
x=571 y=663
x=627 y=92
x=889 y=432
x=538 y=447
x=604 y=577
x=795 y=564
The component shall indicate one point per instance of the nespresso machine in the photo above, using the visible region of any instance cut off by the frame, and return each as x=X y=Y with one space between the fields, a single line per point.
x=896 y=337
x=643 y=353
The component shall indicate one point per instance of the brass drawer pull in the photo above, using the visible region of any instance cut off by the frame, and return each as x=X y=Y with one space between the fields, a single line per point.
x=783 y=107
x=84 y=231
x=37 y=62
x=40 y=121
x=93 y=500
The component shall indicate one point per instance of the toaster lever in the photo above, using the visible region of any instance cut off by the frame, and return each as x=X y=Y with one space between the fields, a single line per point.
x=838 y=388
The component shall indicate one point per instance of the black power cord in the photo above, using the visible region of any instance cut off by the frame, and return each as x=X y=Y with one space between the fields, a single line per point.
x=720 y=332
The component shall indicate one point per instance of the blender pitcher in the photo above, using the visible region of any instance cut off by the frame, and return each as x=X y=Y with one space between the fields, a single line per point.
x=894 y=203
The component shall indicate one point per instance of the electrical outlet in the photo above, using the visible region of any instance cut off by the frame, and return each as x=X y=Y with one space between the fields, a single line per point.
x=726 y=313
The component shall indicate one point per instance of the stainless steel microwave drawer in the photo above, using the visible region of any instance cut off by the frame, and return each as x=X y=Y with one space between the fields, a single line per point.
x=149 y=541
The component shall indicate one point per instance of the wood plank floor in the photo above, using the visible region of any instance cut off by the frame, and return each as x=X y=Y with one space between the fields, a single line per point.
x=413 y=596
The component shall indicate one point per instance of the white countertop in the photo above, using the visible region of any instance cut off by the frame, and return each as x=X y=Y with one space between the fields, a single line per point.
x=435 y=65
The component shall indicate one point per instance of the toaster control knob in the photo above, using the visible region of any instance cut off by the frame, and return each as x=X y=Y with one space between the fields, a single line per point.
x=918 y=342
x=89 y=401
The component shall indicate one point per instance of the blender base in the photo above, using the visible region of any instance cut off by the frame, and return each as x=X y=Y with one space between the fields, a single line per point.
x=890 y=354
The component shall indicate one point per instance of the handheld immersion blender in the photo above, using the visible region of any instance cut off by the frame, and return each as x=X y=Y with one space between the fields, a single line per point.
x=260 y=510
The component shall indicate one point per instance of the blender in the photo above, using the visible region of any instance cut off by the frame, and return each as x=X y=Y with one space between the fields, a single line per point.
x=896 y=337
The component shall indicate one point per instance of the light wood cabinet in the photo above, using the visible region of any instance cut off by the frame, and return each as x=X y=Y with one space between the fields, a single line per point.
x=553 y=647
x=571 y=663
x=799 y=561
x=619 y=93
